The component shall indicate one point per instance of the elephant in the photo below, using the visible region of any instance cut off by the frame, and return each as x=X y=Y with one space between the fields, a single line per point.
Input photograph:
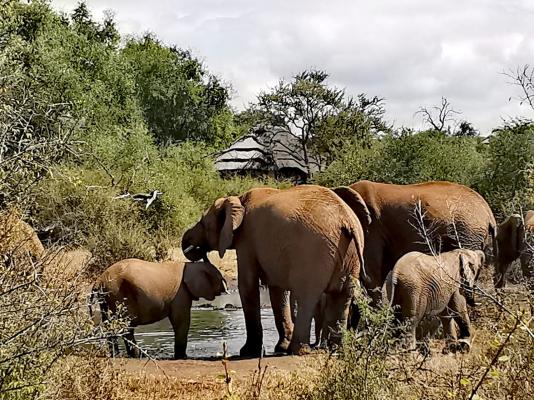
x=152 y=291
x=453 y=216
x=432 y=285
x=303 y=239
x=18 y=239
x=512 y=243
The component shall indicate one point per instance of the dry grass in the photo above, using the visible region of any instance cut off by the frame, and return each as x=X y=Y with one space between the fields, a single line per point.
x=450 y=376
x=500 y=363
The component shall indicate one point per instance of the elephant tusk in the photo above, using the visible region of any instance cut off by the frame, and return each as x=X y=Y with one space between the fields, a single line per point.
x=189 y=248
x=225 y=287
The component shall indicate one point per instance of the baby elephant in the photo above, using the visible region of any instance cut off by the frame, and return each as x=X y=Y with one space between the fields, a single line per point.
x=153 y=291
x=423 y=285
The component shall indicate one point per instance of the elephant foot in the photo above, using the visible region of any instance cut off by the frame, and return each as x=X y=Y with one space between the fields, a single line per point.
x=299 y=349
x=464 y=345
x=459 y=346
x=251 y=351
x=282 y=346
x=424 y=349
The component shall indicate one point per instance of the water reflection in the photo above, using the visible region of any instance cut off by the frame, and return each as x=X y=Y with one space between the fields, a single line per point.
x=209 y=329
x=221 y=321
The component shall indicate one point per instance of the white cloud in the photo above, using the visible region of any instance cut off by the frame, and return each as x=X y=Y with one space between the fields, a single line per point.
x=411 y=52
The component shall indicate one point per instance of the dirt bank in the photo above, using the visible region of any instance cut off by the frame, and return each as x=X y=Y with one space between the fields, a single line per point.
x=197 y=369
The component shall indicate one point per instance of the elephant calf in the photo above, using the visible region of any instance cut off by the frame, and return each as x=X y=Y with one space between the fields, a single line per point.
x=424 y=285
x=153 y=291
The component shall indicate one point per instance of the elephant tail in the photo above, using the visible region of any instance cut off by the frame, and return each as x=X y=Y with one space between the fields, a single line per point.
x=492 y=229
x=388 y=291
x=353 y=236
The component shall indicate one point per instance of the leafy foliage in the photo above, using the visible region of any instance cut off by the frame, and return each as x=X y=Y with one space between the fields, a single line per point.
x=510 y=177
x=320 y=116
x=179 y=98
x=409 y=157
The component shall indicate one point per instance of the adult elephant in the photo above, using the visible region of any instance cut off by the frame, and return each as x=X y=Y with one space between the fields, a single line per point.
x=425 y=217
x=18 y=239
x=304 y=239
x=512 y=244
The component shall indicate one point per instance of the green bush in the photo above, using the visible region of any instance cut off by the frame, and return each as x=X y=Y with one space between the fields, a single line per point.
x=509 y=180
x=409 y=158
x=363 y=367
x=80 y=202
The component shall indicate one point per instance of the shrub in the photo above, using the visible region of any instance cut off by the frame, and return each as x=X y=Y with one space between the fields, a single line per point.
x=43 y=317
x=409 y=158
x=509 y=180
x=80 y=202
x=363 y=368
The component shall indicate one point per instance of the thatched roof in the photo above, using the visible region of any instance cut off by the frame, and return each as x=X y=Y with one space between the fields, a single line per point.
x=265 y=149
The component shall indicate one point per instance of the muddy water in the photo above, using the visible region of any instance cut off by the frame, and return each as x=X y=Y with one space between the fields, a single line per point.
x=211 y=325
x=209 y=329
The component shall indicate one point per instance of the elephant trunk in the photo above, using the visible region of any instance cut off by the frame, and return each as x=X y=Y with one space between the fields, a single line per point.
x=470 y=297
x=191 y=247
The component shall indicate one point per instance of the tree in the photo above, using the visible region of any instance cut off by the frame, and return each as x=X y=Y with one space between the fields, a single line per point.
x=360 y=120
x=523 y=77
x=83 y=23
x=466 y=129
x=320 y=116
x=509 y=182
x=300 y=106
x=179 y=98
x=439 y=117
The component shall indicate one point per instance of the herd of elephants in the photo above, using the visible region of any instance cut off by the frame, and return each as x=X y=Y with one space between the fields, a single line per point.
x=420 y=247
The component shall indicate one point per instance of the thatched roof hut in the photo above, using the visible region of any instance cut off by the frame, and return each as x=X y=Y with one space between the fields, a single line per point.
x=267 y=151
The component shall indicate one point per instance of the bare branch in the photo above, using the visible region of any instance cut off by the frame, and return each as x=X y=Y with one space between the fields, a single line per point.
x=438 y=116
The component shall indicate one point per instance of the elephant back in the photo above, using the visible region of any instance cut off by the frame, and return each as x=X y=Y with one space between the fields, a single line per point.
x=17 y=237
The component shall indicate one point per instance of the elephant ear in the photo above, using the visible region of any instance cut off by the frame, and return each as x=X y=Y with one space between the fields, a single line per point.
x=201 y=281
x=466 y=273
x=520 y=235
x=233 y=217
x=356 y=203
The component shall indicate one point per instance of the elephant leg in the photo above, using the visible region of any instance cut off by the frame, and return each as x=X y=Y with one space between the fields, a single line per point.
x=300 y=341
x=412 y=335
x=131 y=345
x=318 y=317
x=409 y=318
x=113 y=345
x=449 y=326
x=282 y=317
x=180 y=320
x=249 y=292
x=336 y=315
x=458 y=307
x=293 y=306
x=375 y=270
x=525 y=259
x=354 y=316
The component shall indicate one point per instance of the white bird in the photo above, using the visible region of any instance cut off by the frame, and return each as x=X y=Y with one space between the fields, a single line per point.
x=147 y=197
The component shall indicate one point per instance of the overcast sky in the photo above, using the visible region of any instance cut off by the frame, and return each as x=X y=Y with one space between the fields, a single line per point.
x=409 y=52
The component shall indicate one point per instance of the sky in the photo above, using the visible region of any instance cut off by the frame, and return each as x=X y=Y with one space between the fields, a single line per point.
x=409 y=52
